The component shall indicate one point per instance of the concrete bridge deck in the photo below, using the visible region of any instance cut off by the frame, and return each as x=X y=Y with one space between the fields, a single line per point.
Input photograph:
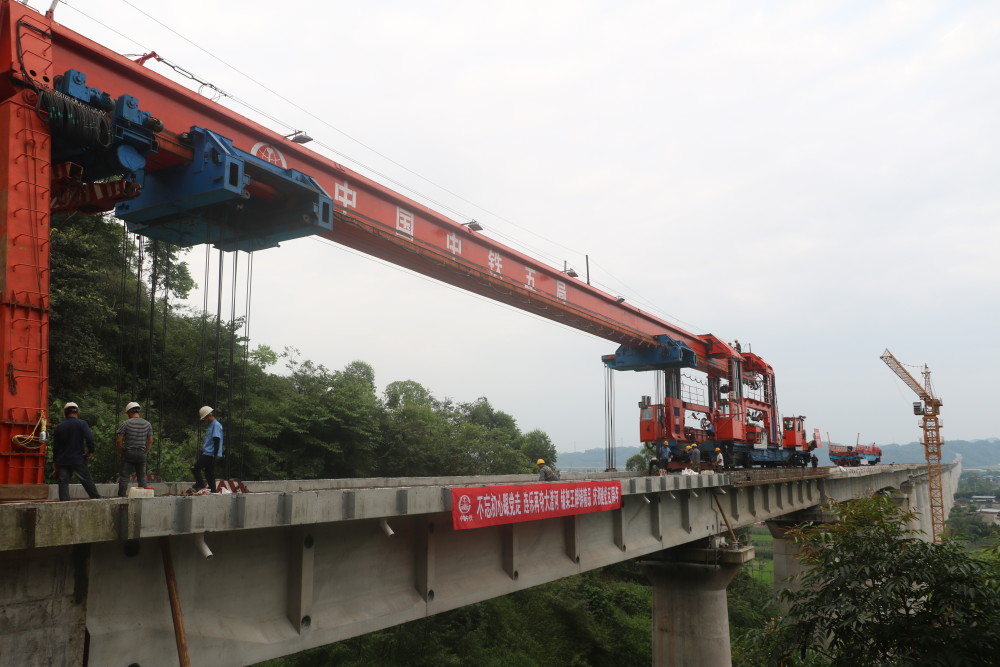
x=299 y=564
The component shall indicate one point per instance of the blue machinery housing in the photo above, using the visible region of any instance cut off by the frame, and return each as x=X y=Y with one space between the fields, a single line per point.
x=208 y=200
x=669 y=353
x=224 y=196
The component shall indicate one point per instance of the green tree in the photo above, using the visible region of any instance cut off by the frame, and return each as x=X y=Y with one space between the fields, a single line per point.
x=537 y=445
x=967 y=524
x=973 y=483
x=874 y=593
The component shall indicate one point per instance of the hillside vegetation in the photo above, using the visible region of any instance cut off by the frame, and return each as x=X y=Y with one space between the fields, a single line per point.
x=284 y=417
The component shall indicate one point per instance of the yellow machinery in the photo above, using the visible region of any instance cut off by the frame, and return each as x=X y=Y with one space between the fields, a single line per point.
x=928 y=407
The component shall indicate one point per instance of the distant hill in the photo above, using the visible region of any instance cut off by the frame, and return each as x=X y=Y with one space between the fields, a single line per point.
x=975 y=454
x=594 y=459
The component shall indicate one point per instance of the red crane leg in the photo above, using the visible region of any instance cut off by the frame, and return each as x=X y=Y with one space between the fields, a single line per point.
x=25 y=148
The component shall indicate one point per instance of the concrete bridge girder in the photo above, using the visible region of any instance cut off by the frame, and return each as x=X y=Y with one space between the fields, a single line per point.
x=296 y=569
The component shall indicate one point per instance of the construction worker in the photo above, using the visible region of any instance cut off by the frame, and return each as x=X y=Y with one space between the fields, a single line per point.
x=136 y=434
x=545 y=473
x=695 y=457
x=71 y=437
x=720 y=461
x=211 y=449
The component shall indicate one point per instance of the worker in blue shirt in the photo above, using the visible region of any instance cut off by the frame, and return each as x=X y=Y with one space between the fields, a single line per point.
x=72 y=447
x=211 y=449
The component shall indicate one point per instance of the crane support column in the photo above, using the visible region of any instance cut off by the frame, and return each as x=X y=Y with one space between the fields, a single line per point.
x=690 y=612
x=24 y=260
x=932 y=452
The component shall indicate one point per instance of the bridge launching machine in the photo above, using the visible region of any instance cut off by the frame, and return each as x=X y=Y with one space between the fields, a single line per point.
x=85 y=129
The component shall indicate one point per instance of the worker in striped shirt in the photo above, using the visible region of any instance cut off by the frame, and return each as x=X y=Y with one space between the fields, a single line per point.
x=133 y=442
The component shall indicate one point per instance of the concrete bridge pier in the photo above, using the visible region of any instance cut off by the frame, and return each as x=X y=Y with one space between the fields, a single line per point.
x=690 y=613
x=786 y=551
x=785 y=557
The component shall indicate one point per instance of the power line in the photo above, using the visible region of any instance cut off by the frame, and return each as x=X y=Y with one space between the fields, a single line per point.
x=537 y=252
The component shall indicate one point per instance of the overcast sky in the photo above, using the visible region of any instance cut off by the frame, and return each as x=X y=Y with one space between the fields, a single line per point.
x=816 y=179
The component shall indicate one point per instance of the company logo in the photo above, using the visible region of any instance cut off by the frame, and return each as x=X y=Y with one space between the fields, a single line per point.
x=465 y=504
x=269 y=153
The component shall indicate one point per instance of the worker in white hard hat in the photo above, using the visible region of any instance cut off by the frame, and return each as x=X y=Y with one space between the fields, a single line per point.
x=132 y=443
x=546 y=473
x=211 y=450
x=72 y=447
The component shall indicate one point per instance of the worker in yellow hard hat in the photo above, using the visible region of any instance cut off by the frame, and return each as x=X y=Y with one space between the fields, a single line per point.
x=695 y=456
x=719 y=460
x=545 y=473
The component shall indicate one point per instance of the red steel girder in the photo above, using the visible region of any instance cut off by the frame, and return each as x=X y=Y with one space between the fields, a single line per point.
x=378 y=214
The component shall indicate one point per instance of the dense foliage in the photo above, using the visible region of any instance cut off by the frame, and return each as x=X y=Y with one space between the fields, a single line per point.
x=285 y=417
x=876 y=594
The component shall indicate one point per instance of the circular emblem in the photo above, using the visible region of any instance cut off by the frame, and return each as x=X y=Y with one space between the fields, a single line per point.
x=464 y=504
x=269 y=153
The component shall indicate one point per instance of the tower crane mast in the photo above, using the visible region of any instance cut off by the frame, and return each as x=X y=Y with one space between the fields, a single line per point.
x=929 y=410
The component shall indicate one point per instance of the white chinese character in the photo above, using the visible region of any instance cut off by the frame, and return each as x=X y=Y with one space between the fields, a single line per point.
x=560 y=290
x=345 y=195
x=454 y=244
x=496 y=261
x=529 y=278
x=404 y=221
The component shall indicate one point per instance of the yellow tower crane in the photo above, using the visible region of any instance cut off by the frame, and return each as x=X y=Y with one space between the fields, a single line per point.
x=928 y=408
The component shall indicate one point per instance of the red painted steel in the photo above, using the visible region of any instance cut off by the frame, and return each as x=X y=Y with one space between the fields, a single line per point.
x=373 y=218
x=24 y=260
x=368 y=217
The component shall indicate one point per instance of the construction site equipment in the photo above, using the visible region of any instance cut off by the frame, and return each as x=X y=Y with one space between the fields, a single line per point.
x=85 y=129
x=929 y=409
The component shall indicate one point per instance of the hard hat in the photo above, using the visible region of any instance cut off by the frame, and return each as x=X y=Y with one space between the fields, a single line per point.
x=717 y=449
x=132 y=406
x=541 y=462
x=69 y=405
x=204 y=412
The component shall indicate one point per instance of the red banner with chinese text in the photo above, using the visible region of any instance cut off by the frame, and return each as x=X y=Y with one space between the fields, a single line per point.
x=476 y=507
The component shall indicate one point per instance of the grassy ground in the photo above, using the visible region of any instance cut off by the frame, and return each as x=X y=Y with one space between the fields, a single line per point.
x=762 y=566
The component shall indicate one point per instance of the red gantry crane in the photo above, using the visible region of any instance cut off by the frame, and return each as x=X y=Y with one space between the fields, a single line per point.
x=84 y=128
x=929 y=408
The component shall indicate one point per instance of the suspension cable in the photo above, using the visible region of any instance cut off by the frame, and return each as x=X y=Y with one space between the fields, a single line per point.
x=230 y=375
x=161 y=394
x=203 y=352
x=154 y=278
x=139 y=265
x=218 y=330
x=609 y=418
x=120 y=383
x=122 y=371
x=246 y=363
